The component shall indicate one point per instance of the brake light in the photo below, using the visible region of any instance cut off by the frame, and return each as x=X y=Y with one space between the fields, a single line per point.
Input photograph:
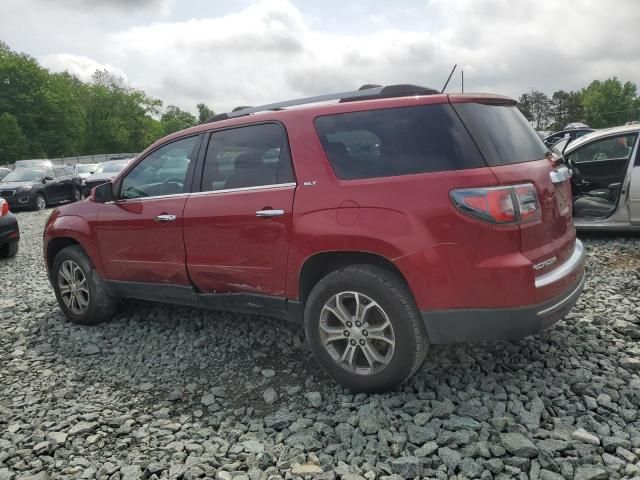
x=4 y=208
x=500 y=205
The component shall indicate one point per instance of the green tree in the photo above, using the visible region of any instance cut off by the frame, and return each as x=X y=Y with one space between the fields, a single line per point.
x=536 y=107
x=566 y=107
x=610 y=102
x=204 y=113
x=13 y=143
x=175 y=119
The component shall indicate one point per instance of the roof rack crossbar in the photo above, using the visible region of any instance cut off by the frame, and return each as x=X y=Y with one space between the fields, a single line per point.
x=301 y=101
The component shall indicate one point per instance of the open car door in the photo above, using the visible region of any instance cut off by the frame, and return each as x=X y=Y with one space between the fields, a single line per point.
x=634 y=190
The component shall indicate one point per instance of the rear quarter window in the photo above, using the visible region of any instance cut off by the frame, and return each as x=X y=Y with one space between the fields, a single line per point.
x=502 y=133
x=396 y=141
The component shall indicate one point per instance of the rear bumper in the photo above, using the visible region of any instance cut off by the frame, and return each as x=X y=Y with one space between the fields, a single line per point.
x=467 y=325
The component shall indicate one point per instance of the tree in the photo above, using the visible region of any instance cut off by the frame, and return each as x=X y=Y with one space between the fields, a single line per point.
x=175 y=119
x=536 y=107
x=610 y=103
x=204 y=113
x=13 y=143
x=566 y=107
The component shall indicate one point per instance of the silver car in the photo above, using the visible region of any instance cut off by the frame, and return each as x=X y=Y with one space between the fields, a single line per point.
x=606 y=179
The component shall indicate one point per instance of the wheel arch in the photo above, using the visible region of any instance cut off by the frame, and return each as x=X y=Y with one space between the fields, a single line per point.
x=321 y=264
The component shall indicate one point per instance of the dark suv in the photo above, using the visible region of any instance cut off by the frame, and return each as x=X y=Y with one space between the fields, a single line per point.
x=392 y=219
x=35 y=188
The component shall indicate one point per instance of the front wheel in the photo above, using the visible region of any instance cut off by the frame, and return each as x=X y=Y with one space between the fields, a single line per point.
x=81 y=293
x=364 y=328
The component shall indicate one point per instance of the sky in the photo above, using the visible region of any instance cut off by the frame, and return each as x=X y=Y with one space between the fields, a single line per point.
x=227 y=53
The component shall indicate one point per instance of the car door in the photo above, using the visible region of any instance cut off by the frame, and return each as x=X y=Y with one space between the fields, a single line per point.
x=51 y=187
x=237 y=229
x=604 y=161
x=634 y=189
x=63 y=183
x=140 y=232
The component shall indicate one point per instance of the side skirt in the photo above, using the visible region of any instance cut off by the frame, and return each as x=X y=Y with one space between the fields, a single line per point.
x=266 y=305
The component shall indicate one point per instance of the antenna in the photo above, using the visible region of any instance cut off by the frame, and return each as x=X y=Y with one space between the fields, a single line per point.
x=447 y=82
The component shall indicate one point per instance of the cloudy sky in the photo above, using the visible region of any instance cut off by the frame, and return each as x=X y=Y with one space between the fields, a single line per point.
x=240 y=52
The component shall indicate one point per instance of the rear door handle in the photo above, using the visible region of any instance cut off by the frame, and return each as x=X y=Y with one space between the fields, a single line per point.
x=269 y=213
x=165 y=218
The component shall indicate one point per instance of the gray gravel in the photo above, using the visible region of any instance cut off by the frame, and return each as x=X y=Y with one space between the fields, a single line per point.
x=173 y=392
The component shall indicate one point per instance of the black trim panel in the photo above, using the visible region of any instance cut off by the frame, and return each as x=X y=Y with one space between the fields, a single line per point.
x=469 y=325
x=267 y=305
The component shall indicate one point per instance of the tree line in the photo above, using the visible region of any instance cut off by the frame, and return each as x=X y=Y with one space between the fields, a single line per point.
x=601 y=104
x=47 y=115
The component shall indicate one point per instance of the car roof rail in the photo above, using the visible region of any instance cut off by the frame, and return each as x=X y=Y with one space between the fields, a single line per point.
x=366 y=92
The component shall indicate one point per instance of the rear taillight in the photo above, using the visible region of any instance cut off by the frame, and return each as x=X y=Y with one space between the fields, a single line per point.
x=4 y=208
x=500 y=205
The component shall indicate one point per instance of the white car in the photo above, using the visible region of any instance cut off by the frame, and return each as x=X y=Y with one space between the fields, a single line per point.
x=606 y=179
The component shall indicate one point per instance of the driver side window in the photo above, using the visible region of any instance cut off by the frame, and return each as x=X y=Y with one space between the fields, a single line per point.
x=619 y=147
x=162 y=172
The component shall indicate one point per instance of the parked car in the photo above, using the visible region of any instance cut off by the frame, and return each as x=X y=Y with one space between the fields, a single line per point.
x=35 y=188
x=4 y=172
x=570 y=133
x=454 y=225
x=606 y=179
x=9 y=231
x=33 y=163
x=104 y=172
x=83 y=170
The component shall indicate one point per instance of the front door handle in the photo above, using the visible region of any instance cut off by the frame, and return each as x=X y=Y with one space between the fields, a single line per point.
x=165 y=218
x=269 y=213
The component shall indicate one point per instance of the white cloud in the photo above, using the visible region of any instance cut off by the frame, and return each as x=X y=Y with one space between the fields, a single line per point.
x=274 y=50
x=80 y=66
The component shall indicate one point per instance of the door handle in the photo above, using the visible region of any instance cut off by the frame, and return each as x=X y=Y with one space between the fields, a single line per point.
x=269 y=213
x=165 y=218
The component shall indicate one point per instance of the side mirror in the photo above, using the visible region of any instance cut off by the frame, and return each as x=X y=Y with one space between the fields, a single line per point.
x=102 y=193
x=46 y=179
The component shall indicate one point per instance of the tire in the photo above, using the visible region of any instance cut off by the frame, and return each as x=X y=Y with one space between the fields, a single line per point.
x=386 y=298
x=76 y=194
x=100 y=306
x=41 y=202
x=9 y=250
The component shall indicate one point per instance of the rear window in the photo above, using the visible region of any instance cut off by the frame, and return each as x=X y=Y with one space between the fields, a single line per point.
x=396 y=141
x=502 y=133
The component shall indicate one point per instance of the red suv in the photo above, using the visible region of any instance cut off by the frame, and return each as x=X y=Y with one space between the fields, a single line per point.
x=391 y=219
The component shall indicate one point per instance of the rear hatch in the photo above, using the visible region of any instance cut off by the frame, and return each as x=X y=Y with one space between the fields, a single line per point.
x=516 y=155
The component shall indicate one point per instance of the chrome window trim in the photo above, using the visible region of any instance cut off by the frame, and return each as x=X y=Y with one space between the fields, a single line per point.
x=209 y=192
x=246 y=189
x=564 y=269
x=146 y=199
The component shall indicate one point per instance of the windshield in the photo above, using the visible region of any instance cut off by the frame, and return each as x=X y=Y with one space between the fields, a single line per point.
x=559 y=146
x=85 y=168
x=24 y=175
x=110 y=167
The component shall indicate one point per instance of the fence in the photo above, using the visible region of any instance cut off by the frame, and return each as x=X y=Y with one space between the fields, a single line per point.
x=103 y=157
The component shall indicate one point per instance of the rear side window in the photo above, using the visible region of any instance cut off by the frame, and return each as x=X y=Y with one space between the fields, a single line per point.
x=250 y=156
x=502 y=133
x=396 y=141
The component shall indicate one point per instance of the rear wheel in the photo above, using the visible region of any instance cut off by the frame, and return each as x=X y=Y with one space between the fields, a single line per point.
x=41 y=202
x=76 y=194
x=364 y=328
x=81 y=293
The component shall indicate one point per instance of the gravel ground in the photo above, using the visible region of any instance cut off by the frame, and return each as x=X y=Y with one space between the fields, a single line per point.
x=173 y=392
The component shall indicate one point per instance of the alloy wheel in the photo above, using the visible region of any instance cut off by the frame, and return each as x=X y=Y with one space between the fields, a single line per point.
x=357 y=333
x=41 y=203
x=73 y=286
x=77 y=195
